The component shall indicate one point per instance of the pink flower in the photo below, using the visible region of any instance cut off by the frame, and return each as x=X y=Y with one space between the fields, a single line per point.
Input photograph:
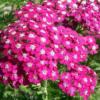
x=23 y=57
x=43 y=37
x=54 y=74
x=33 y=77
x=29 y=66
x=78 y=81
x=43 y=72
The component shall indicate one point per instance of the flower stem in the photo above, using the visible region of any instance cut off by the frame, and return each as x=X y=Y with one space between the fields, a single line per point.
x=46 y=90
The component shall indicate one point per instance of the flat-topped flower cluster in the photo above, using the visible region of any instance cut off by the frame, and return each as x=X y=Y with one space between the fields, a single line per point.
x=85 y=12
x=35 y=44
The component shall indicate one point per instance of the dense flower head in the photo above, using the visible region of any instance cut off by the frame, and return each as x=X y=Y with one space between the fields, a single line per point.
x=85 y=12
x=52 y=43
x=82 y=80
x=38 y=41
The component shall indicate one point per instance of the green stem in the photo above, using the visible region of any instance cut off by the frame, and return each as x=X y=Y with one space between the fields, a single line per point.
x=46 y=90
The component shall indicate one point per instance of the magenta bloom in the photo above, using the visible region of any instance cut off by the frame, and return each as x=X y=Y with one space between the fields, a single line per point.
x=44 y=37
x=82 y=80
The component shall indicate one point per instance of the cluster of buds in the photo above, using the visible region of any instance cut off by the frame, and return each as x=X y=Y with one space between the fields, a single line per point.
x=33 y=46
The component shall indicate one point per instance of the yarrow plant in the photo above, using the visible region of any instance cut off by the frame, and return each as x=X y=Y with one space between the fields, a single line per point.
x=39 y=40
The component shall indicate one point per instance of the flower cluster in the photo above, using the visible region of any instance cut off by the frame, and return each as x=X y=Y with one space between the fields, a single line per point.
x=35 y=44
x=82 y=80
x=85 y=12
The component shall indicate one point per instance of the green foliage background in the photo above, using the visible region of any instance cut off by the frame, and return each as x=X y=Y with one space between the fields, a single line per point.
x=47 y=90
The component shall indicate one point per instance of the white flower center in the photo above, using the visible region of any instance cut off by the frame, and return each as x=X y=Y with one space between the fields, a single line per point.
x=75 y=6
x=43 y=39
x=38 y=8
x=21 y=35
x=56 y=37
x=53 y=73
x=18 y=45
x=76 y=48
x=30 y=10
x=24 y=55
x=6 y=66
x=44 y=19
x=69 y=1
x=9 y=51
x=36 y=26
x=19 y=12
x=43 y=31
x=79 y=85
x=65 y=84
x=55 y=28
x=66 y=77
x=80 y=69
x=29 y=64
x=86 y=92
x=13 y=33
x=66 y=57
x=94 y=47
x=35 y=77
x=44 y=72
x=32 y=47
x=52 y=53
x=75 y=56
x=85 y=80
x=24 y=26
x=26 y=15
x=67 y=42
x=42 y=51
x=7 y=41
x=56 y=46
x=31 y=35
x=91 y=0
x=42 y=62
